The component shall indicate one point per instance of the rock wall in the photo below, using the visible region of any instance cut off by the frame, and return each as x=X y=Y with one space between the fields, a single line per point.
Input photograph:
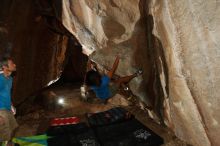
x=174 y=42
x=75 y=66
x=189 y=31
x=32 y=33
x=5 y=45
x=38 y=51
x=180 y=59
x=110 y=28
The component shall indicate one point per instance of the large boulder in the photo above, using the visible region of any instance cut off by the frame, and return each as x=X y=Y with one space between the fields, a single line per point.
x=38 y=50
x=180 y=60
x=32 y=33
x=189 y=32
x=106 y=29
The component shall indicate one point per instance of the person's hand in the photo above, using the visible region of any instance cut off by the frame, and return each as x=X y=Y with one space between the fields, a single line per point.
x=13 y=110
x=91 y=65
x=94 y=65
x=2 y=121
x=118 y=57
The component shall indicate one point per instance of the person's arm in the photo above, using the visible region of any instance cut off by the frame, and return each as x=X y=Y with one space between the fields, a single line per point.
x=13 y=109
x=94 y=66
x=114 y=67
x=91 y=65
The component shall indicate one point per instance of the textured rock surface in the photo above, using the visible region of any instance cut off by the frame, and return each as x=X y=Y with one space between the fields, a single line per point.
x=111 y=28
x=180 y=64
x=31 y=32
x=189 y=32
x=175 y=42
x=5 y=45
x=39 y=52
x=75 y=68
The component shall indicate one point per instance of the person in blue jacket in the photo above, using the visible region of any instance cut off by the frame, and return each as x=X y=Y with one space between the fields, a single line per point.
x=102 y=85
x=8 y=123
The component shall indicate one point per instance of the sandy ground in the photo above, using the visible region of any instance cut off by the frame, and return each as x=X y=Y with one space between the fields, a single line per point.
x=35 y=118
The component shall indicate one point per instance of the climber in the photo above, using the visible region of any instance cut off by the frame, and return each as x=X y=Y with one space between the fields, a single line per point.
x=8 y=123
x=101 y=85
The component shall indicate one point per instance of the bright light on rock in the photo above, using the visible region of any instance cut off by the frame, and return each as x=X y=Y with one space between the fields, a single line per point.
x=61 y=101
x=53 y=81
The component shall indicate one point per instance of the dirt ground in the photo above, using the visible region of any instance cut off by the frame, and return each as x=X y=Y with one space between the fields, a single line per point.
x=35 y=118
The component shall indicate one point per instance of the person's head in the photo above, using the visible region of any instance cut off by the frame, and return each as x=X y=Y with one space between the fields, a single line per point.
x=93 y=78
x=7 y=65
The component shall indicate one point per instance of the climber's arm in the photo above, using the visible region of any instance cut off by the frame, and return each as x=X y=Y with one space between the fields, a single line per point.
x=114 y=67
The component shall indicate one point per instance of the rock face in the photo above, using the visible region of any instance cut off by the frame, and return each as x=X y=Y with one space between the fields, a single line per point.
x=32 y=33
x=5 y=45
x=111 y=28
x=75 y=67
x=180 y=60
x=188 y=32
x=38 y=52
x=174 y=42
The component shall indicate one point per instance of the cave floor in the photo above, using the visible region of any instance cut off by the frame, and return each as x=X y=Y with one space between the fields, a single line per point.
x=36 y=118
